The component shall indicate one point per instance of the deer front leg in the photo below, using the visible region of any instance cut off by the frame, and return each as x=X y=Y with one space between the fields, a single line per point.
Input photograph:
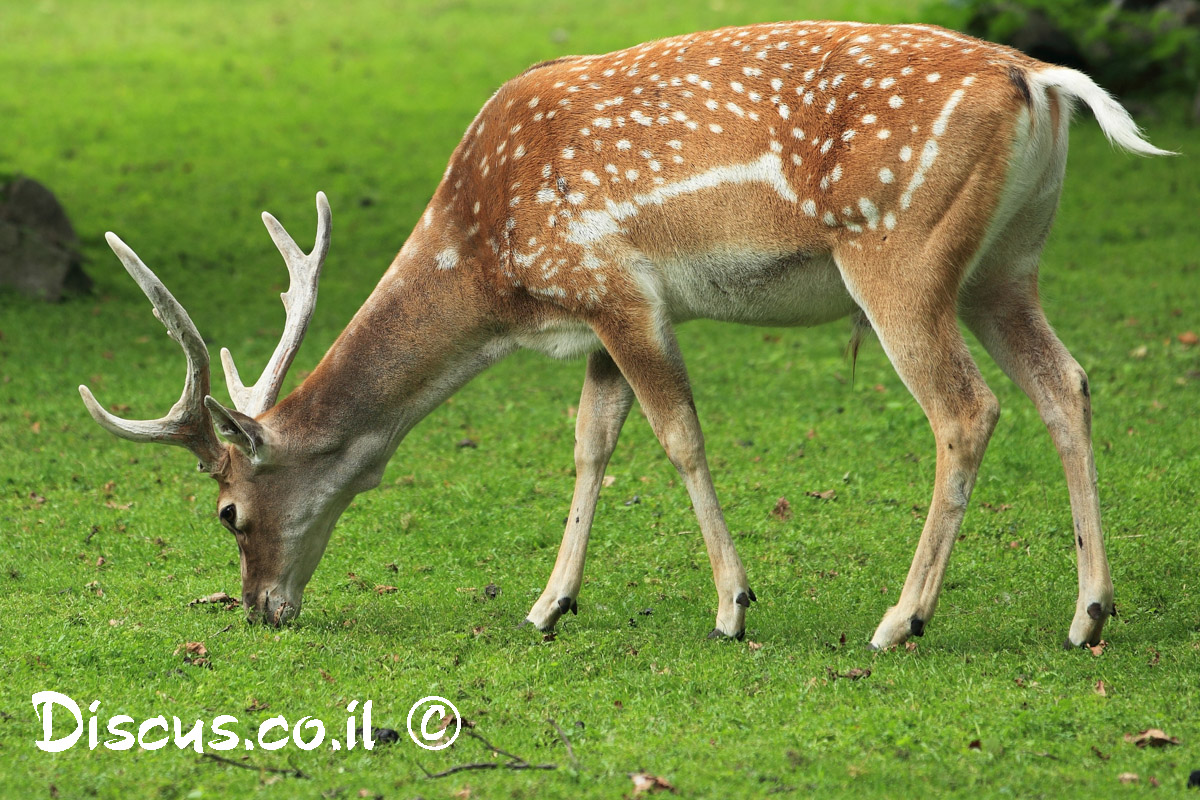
x=602 y=410
x=646 y=351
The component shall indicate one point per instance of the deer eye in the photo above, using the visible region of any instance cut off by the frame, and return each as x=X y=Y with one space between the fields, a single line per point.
x=229 y=517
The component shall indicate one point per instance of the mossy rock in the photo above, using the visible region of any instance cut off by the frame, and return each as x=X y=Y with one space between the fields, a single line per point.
x=39 y=252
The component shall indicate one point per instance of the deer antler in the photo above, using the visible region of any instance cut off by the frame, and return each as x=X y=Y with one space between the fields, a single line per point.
x=188 y=423
x=299 y=300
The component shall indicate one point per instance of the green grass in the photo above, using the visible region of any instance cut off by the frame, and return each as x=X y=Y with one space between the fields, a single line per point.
x=176 y=123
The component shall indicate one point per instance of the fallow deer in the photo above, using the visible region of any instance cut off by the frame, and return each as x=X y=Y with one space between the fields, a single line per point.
x=775 y=174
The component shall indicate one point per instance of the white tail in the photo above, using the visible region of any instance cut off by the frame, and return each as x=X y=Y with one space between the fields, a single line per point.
x=782 y=174
x=1114 y=120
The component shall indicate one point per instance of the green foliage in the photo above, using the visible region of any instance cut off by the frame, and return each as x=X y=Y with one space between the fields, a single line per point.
x=1127 y=50
x=174 y=124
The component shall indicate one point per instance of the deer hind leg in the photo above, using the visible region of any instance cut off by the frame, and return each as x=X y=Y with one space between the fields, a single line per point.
x=602 y=410
x=644 y=348
x=1004 y=312
x=917 y=326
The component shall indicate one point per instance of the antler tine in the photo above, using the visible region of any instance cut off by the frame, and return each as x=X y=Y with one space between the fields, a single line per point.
x=187 y=424
x=304 y=271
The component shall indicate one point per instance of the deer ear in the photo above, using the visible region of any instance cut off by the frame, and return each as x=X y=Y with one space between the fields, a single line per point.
x=238 y=429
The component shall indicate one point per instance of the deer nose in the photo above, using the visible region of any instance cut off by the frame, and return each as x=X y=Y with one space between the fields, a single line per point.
x=269 y=608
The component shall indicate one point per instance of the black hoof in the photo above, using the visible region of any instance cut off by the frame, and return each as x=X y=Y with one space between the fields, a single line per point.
x=1067 y=645
x=871 y=646
x=716 y=634
x=743 y=600
x=916 y=626
x=753 y=599
x=1095 y=611
x=566 y=604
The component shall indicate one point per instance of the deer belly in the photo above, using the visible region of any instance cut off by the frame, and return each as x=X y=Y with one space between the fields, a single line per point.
x=755 y=289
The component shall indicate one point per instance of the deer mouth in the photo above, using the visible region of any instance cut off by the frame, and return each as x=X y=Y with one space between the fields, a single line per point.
x=273 y=611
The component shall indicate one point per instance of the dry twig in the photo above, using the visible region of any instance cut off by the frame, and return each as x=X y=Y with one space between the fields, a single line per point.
x=514 y=762
x=290 y=772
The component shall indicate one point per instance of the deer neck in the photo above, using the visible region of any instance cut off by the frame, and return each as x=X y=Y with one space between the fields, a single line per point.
x=425 y=331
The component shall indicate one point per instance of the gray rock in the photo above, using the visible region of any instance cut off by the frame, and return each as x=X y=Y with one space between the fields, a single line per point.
x=39 y=252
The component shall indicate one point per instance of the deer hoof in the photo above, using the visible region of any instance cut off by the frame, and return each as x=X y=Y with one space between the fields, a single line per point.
x=743 y=600
x=916 y=626
x=566 y=604
x=716 y=633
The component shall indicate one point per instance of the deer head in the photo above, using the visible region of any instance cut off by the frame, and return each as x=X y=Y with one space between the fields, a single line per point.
x=278 y=497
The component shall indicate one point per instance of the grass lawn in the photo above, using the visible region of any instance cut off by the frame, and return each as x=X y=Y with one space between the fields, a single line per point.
x=174 y=124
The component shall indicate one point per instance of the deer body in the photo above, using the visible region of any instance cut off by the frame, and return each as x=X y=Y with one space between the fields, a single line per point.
x=780 y=174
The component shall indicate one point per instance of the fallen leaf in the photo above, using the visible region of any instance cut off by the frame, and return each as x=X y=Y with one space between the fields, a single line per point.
x=215 y=597
x=1099 y=754
x=100 y=562
x=975 y=744
x=754 y=646
x=195 y=653
x=1098 y=650
x=192 y=648
x=36 y=427
x=1139 y=352
x=1151 y=737
x=381 y=589
x=1153 y=781
x=1101 y=689
x=828 y=494
x=118 y=506
x=1154 y=657
x=854 y=674
x=466 y=443
x=910 y=646
x=782 y=510
x=645 y=783
x=1128 y=777
x=491 y=591
x=1188 y=338
x=328 y=678
x=257 y=705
